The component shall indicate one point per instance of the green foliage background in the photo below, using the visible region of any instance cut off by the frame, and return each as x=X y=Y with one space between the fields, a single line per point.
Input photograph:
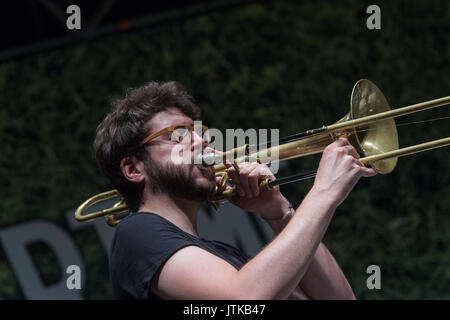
x=283 y=64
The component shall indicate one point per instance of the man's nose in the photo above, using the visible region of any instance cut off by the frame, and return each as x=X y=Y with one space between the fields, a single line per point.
x=197 y=141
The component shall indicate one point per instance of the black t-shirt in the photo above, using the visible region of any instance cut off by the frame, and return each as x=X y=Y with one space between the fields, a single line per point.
x=143 y=242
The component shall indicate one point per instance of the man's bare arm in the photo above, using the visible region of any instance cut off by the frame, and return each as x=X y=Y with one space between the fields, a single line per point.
x=324 y=278
x=193 y=273
x=274 y=273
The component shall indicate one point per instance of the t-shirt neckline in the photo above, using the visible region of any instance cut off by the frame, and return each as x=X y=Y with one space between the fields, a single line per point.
x=171 y=223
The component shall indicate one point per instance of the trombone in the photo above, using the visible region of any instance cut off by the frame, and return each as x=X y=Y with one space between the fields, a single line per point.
x=369 y=127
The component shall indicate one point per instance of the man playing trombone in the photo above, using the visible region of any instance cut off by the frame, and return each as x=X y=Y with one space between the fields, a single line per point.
x=157 y=252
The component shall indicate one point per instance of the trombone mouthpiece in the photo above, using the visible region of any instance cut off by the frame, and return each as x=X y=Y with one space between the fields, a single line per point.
x=209 y=159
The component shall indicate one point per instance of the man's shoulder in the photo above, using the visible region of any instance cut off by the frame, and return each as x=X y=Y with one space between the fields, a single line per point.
x=146 y=228
x=142 y=220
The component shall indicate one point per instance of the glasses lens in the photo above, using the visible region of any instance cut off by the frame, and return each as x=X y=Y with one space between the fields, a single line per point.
x=179 y=134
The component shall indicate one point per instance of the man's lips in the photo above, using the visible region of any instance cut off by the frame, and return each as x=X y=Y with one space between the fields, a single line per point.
x=207 y=159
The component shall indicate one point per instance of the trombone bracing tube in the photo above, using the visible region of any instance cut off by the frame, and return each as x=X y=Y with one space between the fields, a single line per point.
x=391 y=114
x=407 y=150
x=267 y=184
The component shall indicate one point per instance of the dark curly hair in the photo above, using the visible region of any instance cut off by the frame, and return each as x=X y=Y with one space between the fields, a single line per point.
x=120 y=133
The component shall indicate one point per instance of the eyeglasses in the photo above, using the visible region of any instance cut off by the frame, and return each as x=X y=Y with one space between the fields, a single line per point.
x=180 y=132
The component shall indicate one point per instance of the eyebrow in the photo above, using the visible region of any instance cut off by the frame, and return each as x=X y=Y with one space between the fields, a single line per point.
x=164 y=127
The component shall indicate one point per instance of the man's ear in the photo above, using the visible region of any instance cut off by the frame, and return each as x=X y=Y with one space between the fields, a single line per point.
x=133 y=169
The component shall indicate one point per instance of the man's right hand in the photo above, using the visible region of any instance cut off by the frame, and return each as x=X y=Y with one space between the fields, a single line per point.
x=339 y=171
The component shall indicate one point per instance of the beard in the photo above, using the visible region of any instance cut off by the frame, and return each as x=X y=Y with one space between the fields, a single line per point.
x=178 y=180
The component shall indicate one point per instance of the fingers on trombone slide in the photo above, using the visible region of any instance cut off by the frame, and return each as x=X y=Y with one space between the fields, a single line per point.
x=230 y=164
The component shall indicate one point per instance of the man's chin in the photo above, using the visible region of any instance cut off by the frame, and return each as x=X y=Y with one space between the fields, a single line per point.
x=205 y=183
x=206 y=172
x=194 y=182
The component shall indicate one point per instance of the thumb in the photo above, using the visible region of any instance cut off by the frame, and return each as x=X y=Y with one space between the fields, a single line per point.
x=369 y=172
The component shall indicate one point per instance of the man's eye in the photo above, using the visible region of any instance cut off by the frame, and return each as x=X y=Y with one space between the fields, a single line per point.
x=179 y=134
x=204 y=133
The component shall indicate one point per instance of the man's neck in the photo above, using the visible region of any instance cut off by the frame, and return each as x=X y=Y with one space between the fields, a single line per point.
x=181 y=212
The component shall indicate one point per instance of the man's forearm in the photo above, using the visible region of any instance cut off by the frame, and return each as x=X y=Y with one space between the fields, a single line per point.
x=289 y=254
x=323 y=279
x=277 y=225
x=278 y=269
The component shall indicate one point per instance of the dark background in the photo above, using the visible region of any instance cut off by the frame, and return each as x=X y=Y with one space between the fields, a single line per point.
x=273 y=64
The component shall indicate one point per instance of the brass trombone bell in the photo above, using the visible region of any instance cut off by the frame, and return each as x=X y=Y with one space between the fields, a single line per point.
x=376 y=137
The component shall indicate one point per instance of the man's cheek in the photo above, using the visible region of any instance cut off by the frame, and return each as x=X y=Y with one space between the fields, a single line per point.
x=180 y=155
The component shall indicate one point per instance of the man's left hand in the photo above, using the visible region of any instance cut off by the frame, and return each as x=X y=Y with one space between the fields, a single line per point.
x=268 y=204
